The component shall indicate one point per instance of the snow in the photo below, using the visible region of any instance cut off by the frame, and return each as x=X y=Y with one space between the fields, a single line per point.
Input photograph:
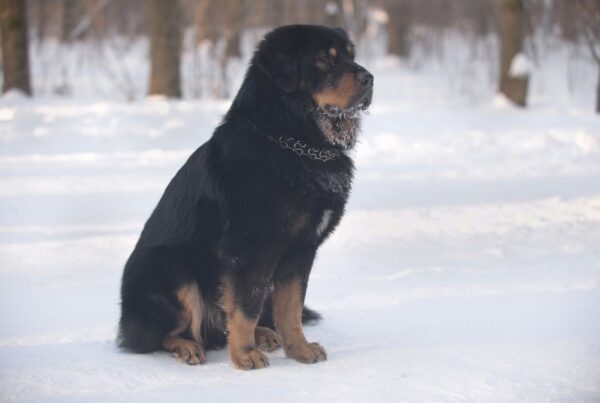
x=331 y=8
x=520 y=66
x=466 y=269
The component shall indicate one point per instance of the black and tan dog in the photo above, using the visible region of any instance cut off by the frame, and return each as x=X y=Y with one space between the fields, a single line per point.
x=227 y=252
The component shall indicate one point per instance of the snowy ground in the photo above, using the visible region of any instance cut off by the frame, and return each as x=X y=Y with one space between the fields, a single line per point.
x=466 y=270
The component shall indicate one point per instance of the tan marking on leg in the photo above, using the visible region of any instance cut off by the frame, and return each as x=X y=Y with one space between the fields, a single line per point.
x=186 y=350
x=341 y=95
x=190 y=298
x=190 y=351
x=332 y=52
x=287 y=312
x=266 y=339
x=241 y=335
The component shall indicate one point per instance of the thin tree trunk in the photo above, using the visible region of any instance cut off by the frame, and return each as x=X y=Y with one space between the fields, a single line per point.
x=164 y=23
x=41 y=18
x=511 y=19
x=589 y=19
x=207 y=20
x=15 y=49
x=334 y=13
x=598 y=92
x=360 y=17
x=233 y=30
x=69 y=19
x=398 y=28
x=567 y=18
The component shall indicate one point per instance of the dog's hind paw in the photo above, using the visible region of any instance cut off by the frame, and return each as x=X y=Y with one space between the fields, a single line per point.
x=187 y=351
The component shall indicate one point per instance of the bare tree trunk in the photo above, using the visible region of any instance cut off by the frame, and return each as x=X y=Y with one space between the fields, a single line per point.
x=598 y=92
x=69 y=19
x=39 y=11
x=567 y=18
x=511 y=20
x=287 y=12
x=334 y=13
x=233 y=29
x=204 y=21
x=589 y=21
x=15 y=49
x=360 y=20
x=398 y=28
x=164 y=23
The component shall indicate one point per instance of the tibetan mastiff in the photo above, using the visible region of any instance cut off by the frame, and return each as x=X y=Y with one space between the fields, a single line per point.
x=226 y=255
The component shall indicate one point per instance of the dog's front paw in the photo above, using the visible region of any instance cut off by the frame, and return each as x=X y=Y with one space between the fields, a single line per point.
x=249 y=358
x=307 y=353
x=267 y=339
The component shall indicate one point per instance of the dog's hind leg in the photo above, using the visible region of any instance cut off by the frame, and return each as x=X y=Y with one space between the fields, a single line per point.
x=190 y=320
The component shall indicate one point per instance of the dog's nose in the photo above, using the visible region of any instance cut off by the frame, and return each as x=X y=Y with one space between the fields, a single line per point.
x=365 y=78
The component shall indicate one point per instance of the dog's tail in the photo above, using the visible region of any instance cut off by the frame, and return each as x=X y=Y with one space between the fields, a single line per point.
x=310 y=316
x=139 y=336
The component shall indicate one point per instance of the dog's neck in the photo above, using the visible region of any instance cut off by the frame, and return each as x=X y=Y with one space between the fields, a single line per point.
x=340 y=127
x=339 y=131
x=305 y=150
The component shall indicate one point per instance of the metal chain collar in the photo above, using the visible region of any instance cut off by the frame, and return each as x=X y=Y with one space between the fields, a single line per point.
x=302 y=149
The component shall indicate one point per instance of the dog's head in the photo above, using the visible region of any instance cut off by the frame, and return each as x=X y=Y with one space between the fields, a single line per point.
x=317 y=64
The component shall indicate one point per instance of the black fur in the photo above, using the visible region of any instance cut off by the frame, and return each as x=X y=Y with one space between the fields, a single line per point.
x=243 y=208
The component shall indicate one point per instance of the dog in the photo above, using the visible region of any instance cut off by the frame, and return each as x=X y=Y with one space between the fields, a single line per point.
x=226 y=254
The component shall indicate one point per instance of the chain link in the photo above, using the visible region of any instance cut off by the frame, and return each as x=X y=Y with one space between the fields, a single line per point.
x=302 y=149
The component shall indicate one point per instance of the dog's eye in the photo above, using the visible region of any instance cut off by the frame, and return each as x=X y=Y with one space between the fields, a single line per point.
x=325 y=60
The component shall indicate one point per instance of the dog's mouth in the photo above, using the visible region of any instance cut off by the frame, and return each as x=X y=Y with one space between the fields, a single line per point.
x=364 y=101
x=354 y=111
x=341 y=126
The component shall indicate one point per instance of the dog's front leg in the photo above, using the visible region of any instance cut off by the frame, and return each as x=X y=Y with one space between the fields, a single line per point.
x=288 y=301
x=242 y=304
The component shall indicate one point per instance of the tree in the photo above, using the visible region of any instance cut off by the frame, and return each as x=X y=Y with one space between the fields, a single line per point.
x=334 y=13
x=234 y=27
x=511 y=20
x=565 y=15
x=70 y=15
x=15 y=49
x=589 y=11
x=165 y=28
x=398 y=27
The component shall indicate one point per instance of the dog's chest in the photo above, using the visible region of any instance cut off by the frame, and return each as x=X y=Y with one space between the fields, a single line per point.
x=312 y=224
x=324 y=222
x=316 y=209
x=336 y=183
x=315 y=201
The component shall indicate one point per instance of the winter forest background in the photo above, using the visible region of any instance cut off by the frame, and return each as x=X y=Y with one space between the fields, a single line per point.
x=101 y=47
x=467 y=267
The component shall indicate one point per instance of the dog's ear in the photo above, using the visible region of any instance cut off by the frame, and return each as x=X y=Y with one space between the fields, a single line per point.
x=278 y=59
